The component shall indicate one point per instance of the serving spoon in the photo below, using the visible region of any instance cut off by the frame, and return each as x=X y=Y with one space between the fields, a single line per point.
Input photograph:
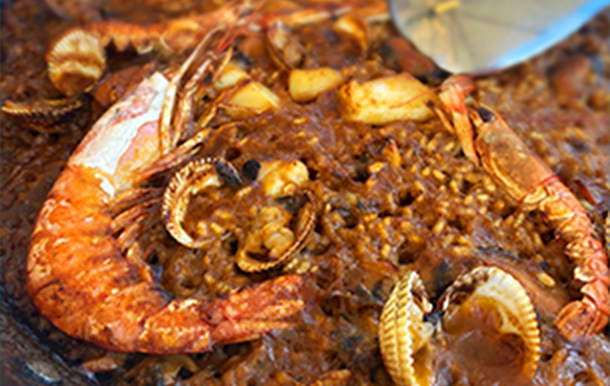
x=479 y=36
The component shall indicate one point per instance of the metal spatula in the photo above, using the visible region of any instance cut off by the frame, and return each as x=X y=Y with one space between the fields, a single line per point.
x=475 y=36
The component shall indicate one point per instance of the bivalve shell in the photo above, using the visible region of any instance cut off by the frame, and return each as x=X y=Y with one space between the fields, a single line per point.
x=45 y=116
x=306 y=219
x=403 y=333
x=194 y=178
x=76 y=62
x=502 y=304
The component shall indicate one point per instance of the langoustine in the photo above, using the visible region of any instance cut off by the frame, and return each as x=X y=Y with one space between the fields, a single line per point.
x=530 y=182
x=77 y=274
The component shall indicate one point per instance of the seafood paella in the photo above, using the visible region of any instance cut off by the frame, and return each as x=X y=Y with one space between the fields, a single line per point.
x=288 y=193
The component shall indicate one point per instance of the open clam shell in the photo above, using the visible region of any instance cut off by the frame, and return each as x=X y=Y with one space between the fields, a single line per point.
x=76 y=62
x=494 y=301
x=194 y=178
x=46 y=116
x=306 y=219
x=403 y=333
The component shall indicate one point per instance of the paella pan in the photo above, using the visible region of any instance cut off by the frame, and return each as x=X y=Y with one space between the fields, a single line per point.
x=289 y=193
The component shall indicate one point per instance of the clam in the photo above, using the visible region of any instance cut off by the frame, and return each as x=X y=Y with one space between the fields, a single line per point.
x=490 y=323
x=273 y=232
x=43 y=116
x=196 y=177
x=284 y=48
x=282 y=242
x=488 y=331
x=404 y=336
x=76 y=62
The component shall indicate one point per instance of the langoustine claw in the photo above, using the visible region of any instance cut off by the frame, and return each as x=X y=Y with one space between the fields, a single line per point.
x=81 y=280
x=530 y=182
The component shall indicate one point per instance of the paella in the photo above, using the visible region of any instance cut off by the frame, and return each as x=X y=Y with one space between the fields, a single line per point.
x=287 y=192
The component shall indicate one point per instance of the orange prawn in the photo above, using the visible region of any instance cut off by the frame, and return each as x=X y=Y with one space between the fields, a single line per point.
x=529 y=181
x=78 y=276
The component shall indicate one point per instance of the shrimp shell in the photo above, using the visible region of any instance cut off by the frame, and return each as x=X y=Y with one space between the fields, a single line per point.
x=78 y=277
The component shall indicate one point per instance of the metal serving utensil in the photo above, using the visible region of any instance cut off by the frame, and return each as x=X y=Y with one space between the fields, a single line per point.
x=477 y=36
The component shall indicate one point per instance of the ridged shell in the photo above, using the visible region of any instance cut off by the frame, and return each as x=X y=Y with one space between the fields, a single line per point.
x=195 y=177
x=43 y=116
x=76 y=62
x=304 y=226
x=403 y=332
x=512 y=304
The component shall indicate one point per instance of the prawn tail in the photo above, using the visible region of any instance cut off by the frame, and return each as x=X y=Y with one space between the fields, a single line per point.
x=247 y=314
x=589 y=315
x=144 y=318
x=582 y=318
x=585 y=317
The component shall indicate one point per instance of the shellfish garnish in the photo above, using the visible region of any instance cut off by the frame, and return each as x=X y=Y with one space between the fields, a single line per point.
x=203 y=175
x=488 y=330
x=76 y=62
x=284 y=48
x=490 y=323
x=404 y=336
x=45 y=116
x=273 y=232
